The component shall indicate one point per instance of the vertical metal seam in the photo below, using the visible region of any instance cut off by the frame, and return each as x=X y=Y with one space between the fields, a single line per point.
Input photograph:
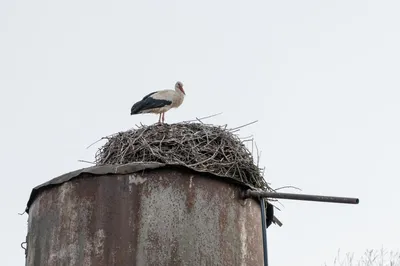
x=264 y=230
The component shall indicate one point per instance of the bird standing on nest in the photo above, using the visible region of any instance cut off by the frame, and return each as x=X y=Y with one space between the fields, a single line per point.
x=159 y=102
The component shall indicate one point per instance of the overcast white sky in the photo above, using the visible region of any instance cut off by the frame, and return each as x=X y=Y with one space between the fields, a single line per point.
x=322 y=78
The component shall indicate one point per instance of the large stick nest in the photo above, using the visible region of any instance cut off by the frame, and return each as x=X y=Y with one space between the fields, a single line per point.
x=204 y=148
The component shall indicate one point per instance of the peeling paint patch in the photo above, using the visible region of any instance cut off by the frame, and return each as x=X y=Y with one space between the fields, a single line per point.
x=99 y=242
x=243 y=238
x=66 y=253
x=137 y=180
x=191 y=182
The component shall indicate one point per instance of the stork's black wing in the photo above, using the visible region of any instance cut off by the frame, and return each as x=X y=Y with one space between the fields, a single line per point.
x=148 y=103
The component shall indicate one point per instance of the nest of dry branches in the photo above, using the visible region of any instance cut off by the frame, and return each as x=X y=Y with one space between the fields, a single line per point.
x=202 y=147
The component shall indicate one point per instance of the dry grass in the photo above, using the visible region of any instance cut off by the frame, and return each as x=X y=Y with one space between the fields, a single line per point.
x=369 y=258
x=202 y=147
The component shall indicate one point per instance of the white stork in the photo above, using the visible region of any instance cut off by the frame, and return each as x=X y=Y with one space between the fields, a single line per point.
x=159 y=102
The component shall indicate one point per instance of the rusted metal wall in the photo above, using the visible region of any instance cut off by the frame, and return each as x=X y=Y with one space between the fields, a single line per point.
x=164 y=216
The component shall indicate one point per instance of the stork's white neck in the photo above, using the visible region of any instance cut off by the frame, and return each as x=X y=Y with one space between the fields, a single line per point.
x=181 y=94
x=177 y=98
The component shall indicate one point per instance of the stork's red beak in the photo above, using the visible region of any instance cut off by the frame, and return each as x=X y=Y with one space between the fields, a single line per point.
x=183 y=90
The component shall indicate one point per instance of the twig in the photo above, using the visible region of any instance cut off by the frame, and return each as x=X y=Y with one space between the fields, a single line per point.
x=201 y=118
x=83 y=161
x=258 y=156
x=235 y=128
x=285 y=187
x=96 y=142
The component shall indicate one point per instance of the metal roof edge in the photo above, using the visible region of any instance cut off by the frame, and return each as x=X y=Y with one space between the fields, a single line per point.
x=128 y=168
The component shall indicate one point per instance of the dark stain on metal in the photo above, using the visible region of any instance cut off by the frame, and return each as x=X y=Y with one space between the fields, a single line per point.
x=159 y=216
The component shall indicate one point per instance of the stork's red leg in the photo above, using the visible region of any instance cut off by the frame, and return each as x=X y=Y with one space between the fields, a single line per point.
x=159 y=119
x=163 y=118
